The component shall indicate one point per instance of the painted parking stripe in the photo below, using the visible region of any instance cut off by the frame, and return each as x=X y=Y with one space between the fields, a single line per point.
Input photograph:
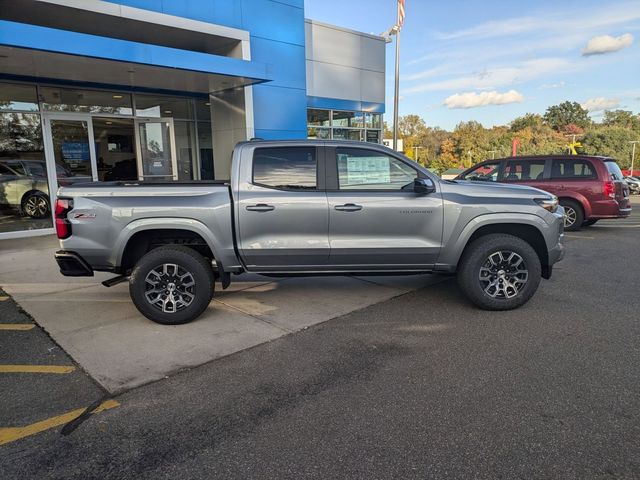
x=16 y=326
x=37 y=369
x=12 y=434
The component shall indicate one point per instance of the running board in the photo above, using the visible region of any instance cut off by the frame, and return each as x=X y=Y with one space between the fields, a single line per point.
x=115 y=280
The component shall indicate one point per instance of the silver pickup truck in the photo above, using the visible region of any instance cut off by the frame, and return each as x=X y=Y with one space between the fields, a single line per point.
x=308 y=208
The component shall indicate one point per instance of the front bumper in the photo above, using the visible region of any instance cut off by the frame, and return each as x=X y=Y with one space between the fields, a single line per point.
x=72 y=265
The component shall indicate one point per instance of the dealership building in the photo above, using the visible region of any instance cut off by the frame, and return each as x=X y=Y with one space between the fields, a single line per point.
x=157 y=90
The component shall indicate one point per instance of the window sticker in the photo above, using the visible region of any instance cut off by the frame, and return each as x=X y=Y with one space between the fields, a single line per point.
x=368 y=170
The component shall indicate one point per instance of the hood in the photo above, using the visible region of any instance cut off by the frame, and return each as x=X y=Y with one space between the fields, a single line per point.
x=492 y=190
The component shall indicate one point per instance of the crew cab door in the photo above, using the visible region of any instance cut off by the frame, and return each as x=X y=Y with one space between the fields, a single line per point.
x=282 y=209
x=376 y=220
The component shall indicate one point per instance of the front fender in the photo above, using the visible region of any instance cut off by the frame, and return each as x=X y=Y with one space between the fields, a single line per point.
x=169 y=223
x=453 y=248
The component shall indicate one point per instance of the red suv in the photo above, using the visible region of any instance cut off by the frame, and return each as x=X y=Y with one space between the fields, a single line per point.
x=589 y=188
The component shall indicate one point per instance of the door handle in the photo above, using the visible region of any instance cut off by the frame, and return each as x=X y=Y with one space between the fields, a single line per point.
x=348 y=207
x=260 y=207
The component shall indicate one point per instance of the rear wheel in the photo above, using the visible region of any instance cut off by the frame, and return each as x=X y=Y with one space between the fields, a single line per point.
x=588 y=223
x=573 y=215
x=499 y=272
x=172 y=285
x=36 y=205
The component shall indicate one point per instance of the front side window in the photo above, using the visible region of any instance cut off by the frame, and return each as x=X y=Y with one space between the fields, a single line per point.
x=360 y=169
x=572 y=169
x=487 y=172
x=291 y=168
x=522 y=170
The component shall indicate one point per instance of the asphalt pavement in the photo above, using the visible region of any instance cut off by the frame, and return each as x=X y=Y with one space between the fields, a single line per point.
x=421 y=386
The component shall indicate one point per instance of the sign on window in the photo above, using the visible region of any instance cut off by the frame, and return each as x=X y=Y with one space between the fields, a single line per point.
x=368 y=170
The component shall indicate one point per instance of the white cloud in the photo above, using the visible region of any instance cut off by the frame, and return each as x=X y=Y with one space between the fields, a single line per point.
x=600 y=103
x=473 y=99
x=607 y=44
x=493 y=78
x=549 y=86
x=599 y=17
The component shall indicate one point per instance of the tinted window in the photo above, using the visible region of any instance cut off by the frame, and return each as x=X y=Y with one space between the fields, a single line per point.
x=5 y=171
x=576 y=169
x=292 y=167
x=484 y=173
x=522 y=170
x=614 y=170
x=360 y=169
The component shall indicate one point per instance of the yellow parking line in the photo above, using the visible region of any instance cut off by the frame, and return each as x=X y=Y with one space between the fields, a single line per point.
x=16 y=326
x=36 y=368
x=12 y=434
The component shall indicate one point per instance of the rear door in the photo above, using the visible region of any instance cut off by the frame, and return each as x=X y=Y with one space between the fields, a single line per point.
x=282 y=208
x=571 y=176
x=376 y=220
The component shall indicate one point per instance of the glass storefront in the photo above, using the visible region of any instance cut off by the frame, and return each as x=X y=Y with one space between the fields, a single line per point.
x=344 y=125
x=69 y=135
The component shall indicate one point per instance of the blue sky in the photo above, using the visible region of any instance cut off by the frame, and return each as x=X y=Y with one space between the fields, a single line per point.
x=494 y=60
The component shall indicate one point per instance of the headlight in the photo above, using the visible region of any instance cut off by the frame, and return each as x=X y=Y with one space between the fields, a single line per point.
x=550 y=203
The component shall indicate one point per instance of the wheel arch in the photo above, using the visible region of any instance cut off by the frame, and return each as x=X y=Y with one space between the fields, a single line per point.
x=580 y=200
x=142 y=236
x=531 y=228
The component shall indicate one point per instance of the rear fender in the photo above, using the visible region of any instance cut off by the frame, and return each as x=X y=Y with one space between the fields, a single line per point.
x=147 y=224
x=577 y=197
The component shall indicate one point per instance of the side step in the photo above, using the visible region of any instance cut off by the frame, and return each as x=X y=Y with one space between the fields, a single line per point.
x=115 y=280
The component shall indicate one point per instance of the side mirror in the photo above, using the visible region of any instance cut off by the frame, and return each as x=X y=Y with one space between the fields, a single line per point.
x=423 y=186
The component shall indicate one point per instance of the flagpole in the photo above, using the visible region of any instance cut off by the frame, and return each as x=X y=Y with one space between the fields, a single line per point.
x=396 y=93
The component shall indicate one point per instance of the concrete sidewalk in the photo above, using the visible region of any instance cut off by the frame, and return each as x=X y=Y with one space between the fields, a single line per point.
x=101 y=329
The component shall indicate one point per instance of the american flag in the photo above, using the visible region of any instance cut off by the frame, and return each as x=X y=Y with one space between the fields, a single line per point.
x=400 y=13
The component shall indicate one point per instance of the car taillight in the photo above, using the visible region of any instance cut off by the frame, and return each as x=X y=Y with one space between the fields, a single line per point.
x=63 y=226
x=609 y=189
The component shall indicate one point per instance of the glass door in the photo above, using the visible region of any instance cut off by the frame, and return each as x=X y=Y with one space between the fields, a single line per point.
x=69 y=148
x=155 y=141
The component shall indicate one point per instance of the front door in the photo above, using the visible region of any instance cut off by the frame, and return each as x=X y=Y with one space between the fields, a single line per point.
x=69 y=149
x=376 y=220
x=156 y=150
x=282 y=211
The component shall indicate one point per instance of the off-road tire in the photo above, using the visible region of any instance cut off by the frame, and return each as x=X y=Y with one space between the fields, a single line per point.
x=474 y=258
x=189 y=261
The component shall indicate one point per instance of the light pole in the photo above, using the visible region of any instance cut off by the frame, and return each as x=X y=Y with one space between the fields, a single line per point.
x=415 y=153
x=633 y=154
x=493 y=154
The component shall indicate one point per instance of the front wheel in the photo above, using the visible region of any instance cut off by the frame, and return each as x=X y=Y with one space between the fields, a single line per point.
x=499 y=272
x=172 y=285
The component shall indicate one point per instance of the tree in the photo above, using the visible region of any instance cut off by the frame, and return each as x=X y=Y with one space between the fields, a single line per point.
x=610 y=141
x=410 y=126
x=559 y=116
x=528 y=120
x=622 y=118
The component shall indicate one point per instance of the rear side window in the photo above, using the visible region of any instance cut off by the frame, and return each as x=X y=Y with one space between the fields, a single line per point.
x=614 y=170
x=291 y=168
x=572 y=169
x=522 y=171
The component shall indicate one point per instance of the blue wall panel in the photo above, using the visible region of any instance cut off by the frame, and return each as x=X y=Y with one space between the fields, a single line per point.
x=278 y=108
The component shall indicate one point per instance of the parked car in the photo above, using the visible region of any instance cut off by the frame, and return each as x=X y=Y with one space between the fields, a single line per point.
x=24 y=187
x=633 y=183
x=306 y=208
x=589 y=188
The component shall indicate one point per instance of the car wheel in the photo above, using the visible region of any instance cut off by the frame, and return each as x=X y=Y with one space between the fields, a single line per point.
x=499 y=272
x=573 y=215
x=36 y=205
x=588 y=223
x=172 y=285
